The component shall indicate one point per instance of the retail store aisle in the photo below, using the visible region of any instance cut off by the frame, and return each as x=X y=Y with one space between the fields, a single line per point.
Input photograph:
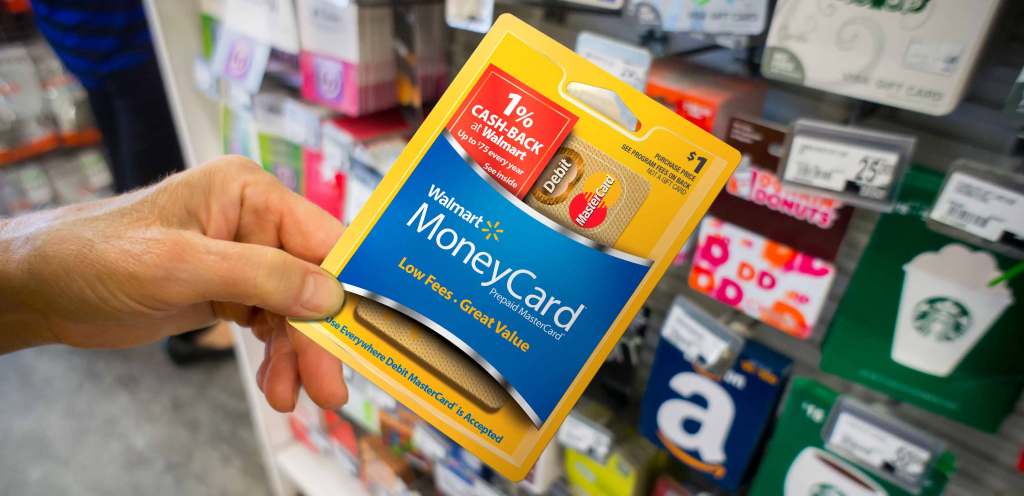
x=123 y=422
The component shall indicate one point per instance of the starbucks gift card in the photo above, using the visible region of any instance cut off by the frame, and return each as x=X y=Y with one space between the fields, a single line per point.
x=767 y=280
x=712 y=424
x=927 y=319
x=756 y=199
x=914 y=54
x=830 y=445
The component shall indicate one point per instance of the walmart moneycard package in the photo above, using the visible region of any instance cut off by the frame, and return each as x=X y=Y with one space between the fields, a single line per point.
x=504 y=253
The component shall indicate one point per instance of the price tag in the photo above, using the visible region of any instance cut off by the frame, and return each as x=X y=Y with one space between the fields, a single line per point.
x=878 y=448
x=841 y=167
x=860 y=166
x=708 y=16
x=695 y=341
x=982 y=208
x=471 y=15
x=582 y=436
x=625 y=61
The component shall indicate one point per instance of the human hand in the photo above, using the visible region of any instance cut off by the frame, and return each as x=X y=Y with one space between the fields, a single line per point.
x=222 y=241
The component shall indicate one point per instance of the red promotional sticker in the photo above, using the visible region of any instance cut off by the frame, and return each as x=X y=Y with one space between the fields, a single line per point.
x=509 y=129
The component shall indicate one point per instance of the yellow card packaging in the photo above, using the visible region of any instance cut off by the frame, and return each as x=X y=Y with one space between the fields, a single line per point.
x=517 y=235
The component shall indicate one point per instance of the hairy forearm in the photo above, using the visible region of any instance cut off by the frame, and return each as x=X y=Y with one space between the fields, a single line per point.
x=20 y=325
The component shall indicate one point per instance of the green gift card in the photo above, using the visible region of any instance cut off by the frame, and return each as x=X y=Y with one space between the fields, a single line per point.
x=282 y=158
x=920 y=322
x=208 y=26
x=828 y=445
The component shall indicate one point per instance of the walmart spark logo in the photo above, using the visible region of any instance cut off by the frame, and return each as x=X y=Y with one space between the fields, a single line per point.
x=492 y=230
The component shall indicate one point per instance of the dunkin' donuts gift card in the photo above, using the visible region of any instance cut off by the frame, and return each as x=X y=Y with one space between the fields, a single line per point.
x=501 y=258
x=755 y=198
x=768 y=280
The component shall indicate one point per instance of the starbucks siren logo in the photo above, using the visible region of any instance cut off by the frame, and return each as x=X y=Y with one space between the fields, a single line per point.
x=942 y=318
x=825 y=489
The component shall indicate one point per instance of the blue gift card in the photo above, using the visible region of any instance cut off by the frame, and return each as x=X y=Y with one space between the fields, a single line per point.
x=712 y=424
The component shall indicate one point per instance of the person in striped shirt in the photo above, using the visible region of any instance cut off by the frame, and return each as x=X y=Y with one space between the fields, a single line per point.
x=106 y=44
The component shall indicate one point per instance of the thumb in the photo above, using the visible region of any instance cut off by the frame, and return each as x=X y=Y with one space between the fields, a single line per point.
x=264 y=277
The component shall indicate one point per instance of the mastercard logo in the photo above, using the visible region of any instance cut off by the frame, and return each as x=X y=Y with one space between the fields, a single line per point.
x=589 y=209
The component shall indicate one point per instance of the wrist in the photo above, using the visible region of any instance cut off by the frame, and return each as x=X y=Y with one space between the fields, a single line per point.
x=21 y=326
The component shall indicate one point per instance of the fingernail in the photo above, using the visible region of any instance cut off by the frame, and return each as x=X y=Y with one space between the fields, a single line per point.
x=322 y=295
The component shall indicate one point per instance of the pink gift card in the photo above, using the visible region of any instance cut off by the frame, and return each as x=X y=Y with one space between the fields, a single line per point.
x=767 y=280
x=342 y=85
x=324 y=186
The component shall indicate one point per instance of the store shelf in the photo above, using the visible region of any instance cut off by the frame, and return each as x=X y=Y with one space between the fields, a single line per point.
x=175 y=30
x=976 y=130
x=315 y=475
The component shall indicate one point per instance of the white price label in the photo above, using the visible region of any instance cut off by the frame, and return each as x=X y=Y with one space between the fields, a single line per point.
x=834 y=166
x=979 y=207
x=585 y=438
x=471 y=15
x=877 y=448
x=693 y=339
x=625 y=61
x=708 y=16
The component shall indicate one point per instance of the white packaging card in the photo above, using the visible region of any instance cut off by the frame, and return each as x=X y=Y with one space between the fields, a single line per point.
x=841 y=167
x=912 y=54
x=270 y=21
x=980 y=207
x=240 y=60
x=697 y=343
x=332 y=28
x=623 y=60
x=742 y=17
x=877 y=448
x=582 y=436
x=470 y=15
